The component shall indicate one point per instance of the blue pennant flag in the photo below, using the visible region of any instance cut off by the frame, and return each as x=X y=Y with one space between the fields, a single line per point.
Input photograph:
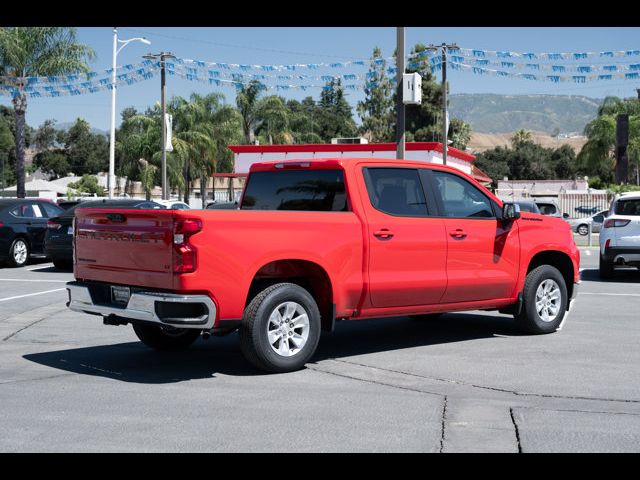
x=584 y=69
x=504 y=54
x=578 y=56
x=558 y=68
x=482 y=62
x=630 y=76
x=213 y=73
x=605 y=77
x=503 y=74
x=610 y=68
x=192 y=70
x=479 y=53
x=533 y=66
x=529 y=56
x=606 y=54
x=507 y=64
x=358 y=62
x=579 y=78
x=634 y=66
x=336 y=65
x=631 y=53
x=457 y=58
x=199 y=63
x=214 y=81
x=554 y=56
x=554 y=78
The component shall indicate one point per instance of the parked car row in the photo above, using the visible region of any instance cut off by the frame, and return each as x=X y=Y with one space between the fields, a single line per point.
x=40 y=228
x=620 y=235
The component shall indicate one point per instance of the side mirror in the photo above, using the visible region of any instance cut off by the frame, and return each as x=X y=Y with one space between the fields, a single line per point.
x=565 y=215
x=511 y=211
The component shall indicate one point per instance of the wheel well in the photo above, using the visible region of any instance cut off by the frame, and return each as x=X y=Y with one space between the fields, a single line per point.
x=556 y=259
x=310 y=276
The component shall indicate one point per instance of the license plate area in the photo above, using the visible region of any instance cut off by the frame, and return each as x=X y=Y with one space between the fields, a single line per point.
x=120 y=295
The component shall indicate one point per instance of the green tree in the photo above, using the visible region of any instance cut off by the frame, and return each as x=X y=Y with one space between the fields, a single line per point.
x=88 y=153
x=303 y=124
x=32 y=52
x=597 y=157
x=87 y=184
x=376 y=110
x=7 y=147
x=334 y=115
x=521 y=137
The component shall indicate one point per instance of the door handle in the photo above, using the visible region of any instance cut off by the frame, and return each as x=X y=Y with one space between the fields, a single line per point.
x=458 y=233
x=383 y=233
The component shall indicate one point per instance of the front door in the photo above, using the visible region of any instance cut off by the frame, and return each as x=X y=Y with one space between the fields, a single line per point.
x=407 y=246
x=483 y=254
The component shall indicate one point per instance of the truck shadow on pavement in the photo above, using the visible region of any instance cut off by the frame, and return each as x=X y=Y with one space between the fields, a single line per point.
x=133 y=362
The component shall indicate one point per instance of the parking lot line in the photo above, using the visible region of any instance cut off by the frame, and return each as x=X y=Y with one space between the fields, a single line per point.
x=31 y=280
x=40 y=267
x=611 y=294
x=31 y=294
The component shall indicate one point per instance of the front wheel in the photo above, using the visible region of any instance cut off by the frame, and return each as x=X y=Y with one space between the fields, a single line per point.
x=19 y=253
x=280 y=329
x=545 y=300
x=165 y=338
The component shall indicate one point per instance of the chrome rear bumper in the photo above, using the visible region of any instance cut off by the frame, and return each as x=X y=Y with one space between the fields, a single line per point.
x=147 y=307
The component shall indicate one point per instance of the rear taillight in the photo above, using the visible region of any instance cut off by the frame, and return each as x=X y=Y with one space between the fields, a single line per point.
x=607 y=243
x=53 y=225
x=184 y=254
x=616 y=222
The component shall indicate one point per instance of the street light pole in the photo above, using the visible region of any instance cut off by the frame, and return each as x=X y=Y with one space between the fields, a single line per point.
x=400 y=114
x=445 y=122
x=112 y=137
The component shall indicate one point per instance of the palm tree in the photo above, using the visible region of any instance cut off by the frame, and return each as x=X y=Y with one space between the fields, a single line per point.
x=33 y=52
x=520 y=137
x=268 y=115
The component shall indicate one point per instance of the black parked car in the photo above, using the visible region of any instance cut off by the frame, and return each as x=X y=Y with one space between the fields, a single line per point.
x=23 y=224
x=59 y=237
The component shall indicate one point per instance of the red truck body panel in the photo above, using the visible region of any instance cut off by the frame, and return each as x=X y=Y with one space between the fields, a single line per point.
x=424 y=266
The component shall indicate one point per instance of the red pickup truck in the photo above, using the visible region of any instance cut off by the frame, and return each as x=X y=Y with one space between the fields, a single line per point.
x=315 y=241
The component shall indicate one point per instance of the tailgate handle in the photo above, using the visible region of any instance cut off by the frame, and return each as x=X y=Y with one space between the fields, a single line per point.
x=116 y=217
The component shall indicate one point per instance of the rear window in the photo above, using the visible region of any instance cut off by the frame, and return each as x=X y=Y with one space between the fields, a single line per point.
x=628 y=207
x=308 y=190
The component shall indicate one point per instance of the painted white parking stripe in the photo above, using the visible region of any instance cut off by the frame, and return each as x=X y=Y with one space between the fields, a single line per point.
x=31 y=294
x=23 y=280
x=611 y=294
x=40 y=267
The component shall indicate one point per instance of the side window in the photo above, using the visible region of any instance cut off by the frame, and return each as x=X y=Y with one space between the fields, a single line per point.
x=460 y=198
x=396 y=191
x=51 y=210
x=25 y=210
x=598 y=218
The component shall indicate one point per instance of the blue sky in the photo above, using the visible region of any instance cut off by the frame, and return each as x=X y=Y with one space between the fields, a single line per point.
x=290 y=45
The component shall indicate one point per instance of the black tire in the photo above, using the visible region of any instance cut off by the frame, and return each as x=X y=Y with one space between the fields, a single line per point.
x=529 y=320
x=606 y=269
x=254 y=339
x=582 y=229
x=425 y=317
x=21 y=261
x=166 y=339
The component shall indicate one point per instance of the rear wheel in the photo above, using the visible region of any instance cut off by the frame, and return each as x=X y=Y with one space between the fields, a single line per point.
x=165 y=338
x=583 y=229
x=18 y=253
x=545 y=300
x=606 y=269
x=280 y=329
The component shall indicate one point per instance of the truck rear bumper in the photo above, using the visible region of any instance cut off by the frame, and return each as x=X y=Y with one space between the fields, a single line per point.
x=175 y=310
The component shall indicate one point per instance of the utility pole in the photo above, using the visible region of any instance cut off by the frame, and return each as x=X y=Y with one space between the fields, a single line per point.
x=445 y=116
x=163 y=91
x=400 y=117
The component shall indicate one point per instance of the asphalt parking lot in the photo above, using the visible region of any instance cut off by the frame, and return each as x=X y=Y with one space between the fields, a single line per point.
x=463 y=383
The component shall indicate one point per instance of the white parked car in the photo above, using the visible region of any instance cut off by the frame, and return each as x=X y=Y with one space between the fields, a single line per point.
x=620 y=235
x=173 y=204
x=581 y=225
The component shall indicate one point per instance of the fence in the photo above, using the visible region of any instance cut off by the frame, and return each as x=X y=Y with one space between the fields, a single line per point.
x=584 y=204
x=575 y=204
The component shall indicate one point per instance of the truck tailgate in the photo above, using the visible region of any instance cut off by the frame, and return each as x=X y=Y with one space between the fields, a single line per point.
x=130 y=247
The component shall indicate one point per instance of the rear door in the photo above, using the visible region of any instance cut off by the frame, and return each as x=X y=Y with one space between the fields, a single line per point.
x=131 y=247
x=407 y=245
x=31 y=218
x=482 y=255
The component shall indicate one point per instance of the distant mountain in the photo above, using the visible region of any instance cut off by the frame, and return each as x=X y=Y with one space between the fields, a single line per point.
x=492 y=113
x=68 y=125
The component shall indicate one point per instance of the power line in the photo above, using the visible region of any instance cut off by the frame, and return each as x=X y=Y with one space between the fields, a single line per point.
x=230 y=45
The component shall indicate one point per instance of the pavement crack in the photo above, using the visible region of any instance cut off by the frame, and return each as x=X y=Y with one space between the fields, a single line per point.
x=493 y=389
x=515 y=426
x=49 y=314
x=373 y=382
x=444 y=420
